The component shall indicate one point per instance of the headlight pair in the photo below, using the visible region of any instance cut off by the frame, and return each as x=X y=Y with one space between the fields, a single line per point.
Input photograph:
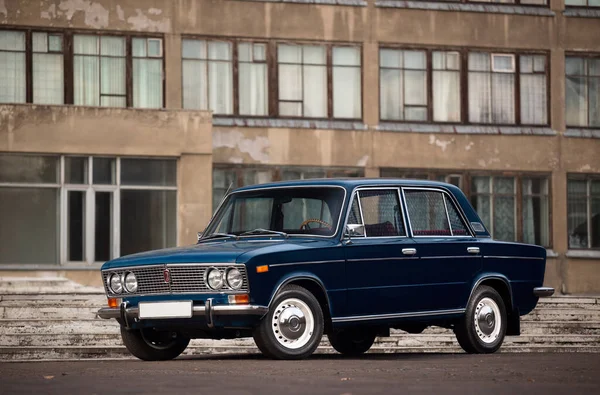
x=215 y=278
x=118 y=283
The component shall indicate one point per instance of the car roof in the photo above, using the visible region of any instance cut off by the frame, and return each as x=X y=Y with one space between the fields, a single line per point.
x=349 y=183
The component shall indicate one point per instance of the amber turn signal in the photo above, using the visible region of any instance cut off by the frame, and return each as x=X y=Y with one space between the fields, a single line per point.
x=239 y=299
x=114 y=302
x=262 y=269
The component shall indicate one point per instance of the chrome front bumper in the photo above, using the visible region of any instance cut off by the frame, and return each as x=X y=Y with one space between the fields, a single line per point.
x=543 y=292
x=129 y=314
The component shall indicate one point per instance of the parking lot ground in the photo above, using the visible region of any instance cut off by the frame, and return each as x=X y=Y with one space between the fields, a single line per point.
x=543 y=373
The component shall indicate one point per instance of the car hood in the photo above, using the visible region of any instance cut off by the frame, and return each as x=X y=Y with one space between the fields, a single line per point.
x=221 y=251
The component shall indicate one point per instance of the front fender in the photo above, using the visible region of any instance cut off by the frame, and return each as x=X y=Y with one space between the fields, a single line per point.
x=294 y=276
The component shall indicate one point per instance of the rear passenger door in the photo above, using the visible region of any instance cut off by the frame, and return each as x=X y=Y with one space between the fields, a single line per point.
x=450 y=255
x=378 y=273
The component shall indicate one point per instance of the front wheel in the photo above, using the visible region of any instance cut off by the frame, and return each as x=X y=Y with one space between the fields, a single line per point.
x=483 y=327
x=352 y=342
x=293 y=327
x=149 y=344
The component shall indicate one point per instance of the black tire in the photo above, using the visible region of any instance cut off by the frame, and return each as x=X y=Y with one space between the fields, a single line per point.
x=482 y=337
x=352 y=341
x=151 y=345
x=271 y=340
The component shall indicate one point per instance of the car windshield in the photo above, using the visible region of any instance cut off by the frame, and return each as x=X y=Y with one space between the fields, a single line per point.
x=278 y=212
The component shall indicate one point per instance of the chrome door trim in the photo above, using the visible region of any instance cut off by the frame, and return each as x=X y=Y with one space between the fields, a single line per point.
x=400 y=315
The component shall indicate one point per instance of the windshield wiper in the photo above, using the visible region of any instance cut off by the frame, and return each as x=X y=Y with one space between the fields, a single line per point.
x=259 y=231
x=218 y=234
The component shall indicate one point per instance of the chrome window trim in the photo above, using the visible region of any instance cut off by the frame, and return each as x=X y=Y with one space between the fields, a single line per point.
x=450 y=257
x=334 y=235
x=399 y=315
x=306 y=263
x=536 y=258
x=356 y=193
x=457 y=206
x=392 y=258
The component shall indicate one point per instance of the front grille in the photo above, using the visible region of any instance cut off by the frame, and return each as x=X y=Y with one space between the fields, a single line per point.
x=183 y=279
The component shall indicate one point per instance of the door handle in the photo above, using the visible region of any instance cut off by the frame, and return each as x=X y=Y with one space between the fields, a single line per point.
x=409 y=251
x=473 y=250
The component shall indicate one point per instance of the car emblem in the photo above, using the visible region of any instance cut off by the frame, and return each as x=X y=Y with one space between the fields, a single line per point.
x=167 y=276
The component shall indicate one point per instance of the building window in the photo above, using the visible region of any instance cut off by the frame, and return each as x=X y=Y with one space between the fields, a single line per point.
x=147 y=72
x=582 y=3
x=583 y=213
x=229 y=177
x=427 y=85
x=12 y=67
x=253 y=79
x=583 y=91
x=513 y=207
x=105 y=207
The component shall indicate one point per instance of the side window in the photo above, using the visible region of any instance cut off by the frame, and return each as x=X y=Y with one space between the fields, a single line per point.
x=354 y=215
x=427 y=213
x=456 y=223
x=382 y=213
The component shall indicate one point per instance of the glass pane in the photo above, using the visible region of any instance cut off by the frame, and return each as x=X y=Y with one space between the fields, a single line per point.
x=290 y=82
x=346 y=92
x=482 y=204
x=147 y=83
x=85 y=45
x=539 y=64
x=504 y=185
x=55 y=43
x=458 y=226
x=148 y=220
x=12 y=77
x=223 y=179
x=86 y=80
x=290 y=109
x=245 y=52
x=503 y=98
x=113 y=46
x=390 y=58
x=220 y=92
x=415 y=113
x=594 y=67
x=414 y=60
x=103 y=231
x=139 y=47
x=113 y=101
x=12 y=41
x=113 y=76
x=480 y=185
x=346 y=56
x=151 y=172
x=503 y=63
x=354 y=214
x=415 y=87
x=595 y=223
x=28 y=169
x=76 y=170
x=260 y=52
x=446 y=96
x=577 y=221
x=39 y=42
x=104 y=171
x=154 y=47
x=479 y=61
x=219 y=50
x=427 y=213
x=76 y=226
x=576 y=101
x=289 y=54
x=594 y=102
x=382 y=214
x=195 y=49
x=526 y=64
x=595 y=187
x=253 y=89
x=315 y=91
x=48 y=79
x=577 y=187
x=504 y=218
x=195 y=85
x=390 y=94
x=574 y=66
x=533 y=99
x=480 y=96
x=29 y=226
x=535 y=220
x=313 y=54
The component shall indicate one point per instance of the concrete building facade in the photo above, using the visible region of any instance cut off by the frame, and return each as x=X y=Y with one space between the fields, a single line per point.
x=122 y=123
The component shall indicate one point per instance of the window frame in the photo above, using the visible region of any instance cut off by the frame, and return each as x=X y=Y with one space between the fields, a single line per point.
x=588 y=178
x=496 y=3
x=271 y=60
x=445 y=196
x=356 y=194
x=68 y=59
x=586 y=6
x=466 y=179
x=464 y=85
x=582 y=55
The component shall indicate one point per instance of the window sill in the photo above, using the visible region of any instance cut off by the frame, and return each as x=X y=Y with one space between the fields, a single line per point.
x=589 y=254
x=551 y=253
x=489 y=8
x=465 y=129
x=582 y=12
x=288 y=123
x=583 y=133
x=352 y=3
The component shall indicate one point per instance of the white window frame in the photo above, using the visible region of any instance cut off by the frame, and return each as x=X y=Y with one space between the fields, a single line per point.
x=503 y=55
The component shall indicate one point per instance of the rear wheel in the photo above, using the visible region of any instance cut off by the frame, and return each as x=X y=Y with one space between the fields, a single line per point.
x=149 y=344
x=352 y=341
x=483 y=327
x=293 y=327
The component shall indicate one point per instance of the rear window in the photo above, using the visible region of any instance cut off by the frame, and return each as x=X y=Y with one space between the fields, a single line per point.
x=431 y=213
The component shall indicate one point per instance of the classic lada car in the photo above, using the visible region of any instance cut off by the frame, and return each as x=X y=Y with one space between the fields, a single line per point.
x=288 y=262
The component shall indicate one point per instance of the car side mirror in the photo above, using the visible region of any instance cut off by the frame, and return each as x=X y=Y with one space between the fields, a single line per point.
x=355 y=230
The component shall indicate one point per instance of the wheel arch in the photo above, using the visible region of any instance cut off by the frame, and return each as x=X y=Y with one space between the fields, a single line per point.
x=315 y=286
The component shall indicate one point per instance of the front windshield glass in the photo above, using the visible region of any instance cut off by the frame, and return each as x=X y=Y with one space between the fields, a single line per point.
x=281 y=211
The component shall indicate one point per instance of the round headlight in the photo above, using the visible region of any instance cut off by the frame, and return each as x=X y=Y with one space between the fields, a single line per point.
x=214 y=279
x=234 y=279
x=115 y=284
x=131 y=284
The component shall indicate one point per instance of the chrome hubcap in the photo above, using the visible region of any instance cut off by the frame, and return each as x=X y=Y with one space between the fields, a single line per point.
x=487 y=320
x=293 y=323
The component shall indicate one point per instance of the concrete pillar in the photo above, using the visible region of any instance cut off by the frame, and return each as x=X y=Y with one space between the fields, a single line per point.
x=194 y=197
x=370 y=83
x=173 y=88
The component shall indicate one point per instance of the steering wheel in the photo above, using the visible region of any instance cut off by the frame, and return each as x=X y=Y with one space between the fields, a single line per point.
x=304 y=224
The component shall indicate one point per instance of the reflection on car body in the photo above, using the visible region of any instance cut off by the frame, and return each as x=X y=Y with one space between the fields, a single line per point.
x=287 y=262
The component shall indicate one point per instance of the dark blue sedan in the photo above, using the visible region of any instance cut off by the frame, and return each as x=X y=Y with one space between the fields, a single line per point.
x=288 y=262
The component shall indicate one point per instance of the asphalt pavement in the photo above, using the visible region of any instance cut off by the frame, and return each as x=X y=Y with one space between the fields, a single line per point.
x=543 y=373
